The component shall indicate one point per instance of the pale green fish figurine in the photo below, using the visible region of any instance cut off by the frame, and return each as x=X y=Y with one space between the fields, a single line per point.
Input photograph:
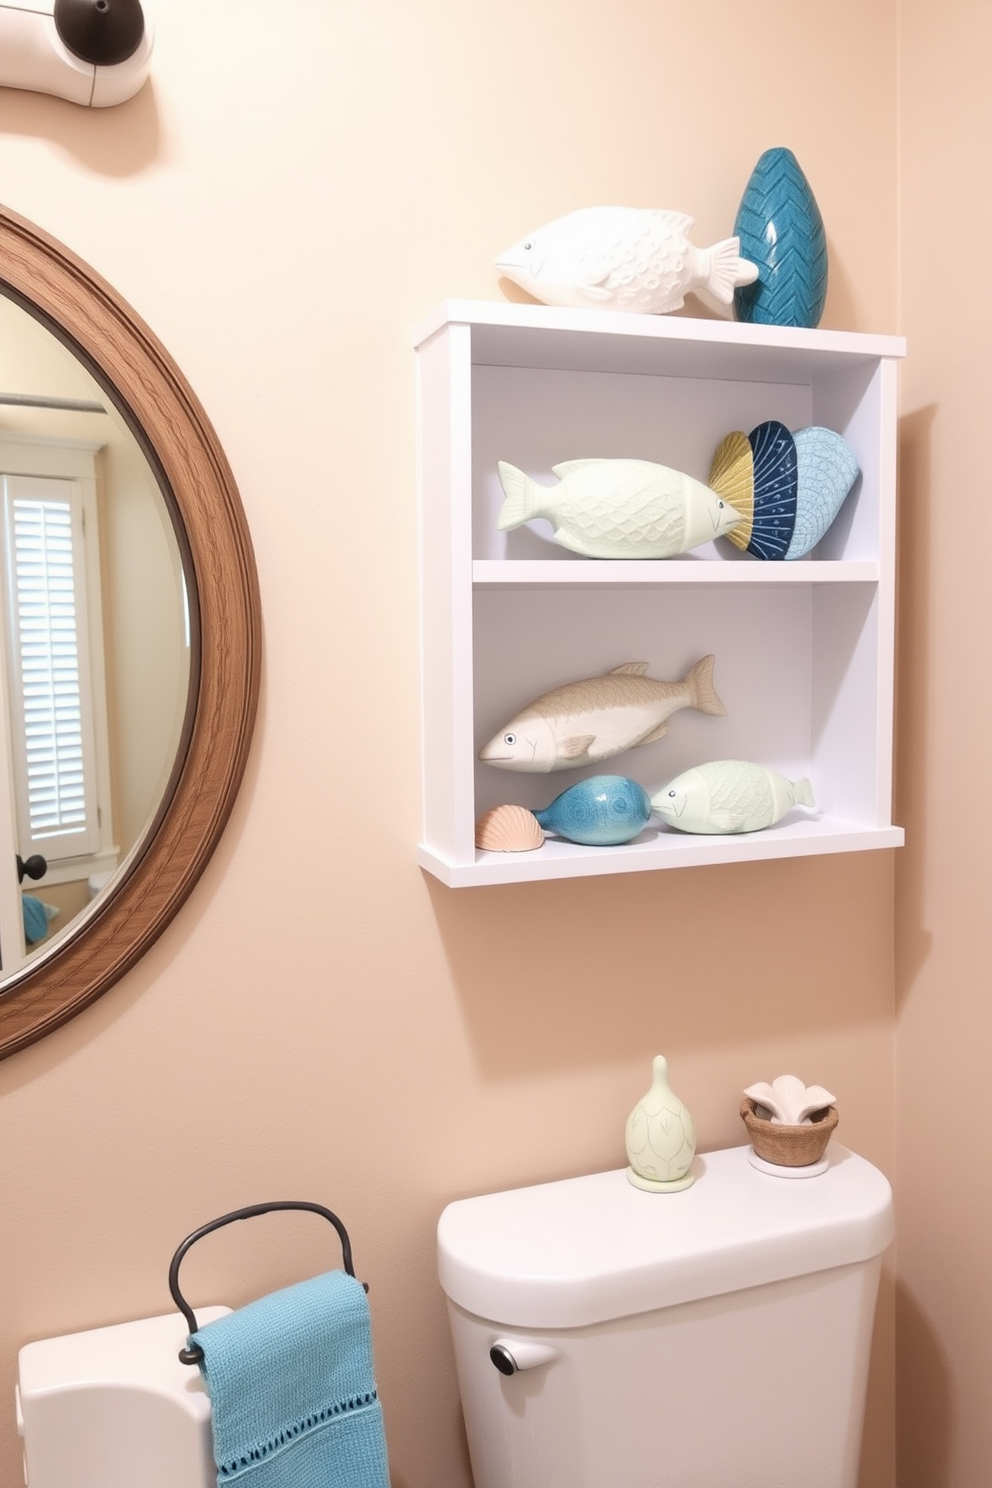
x=618 y=508
x=590 y=720
x=729 y=796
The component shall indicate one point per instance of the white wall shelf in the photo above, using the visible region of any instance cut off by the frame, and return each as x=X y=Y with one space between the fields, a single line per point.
x=804 y=650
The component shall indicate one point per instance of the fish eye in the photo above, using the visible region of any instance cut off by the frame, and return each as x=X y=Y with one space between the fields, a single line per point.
x=509 y=738
x=528 y=247
x=671 y=795
x=720 y=504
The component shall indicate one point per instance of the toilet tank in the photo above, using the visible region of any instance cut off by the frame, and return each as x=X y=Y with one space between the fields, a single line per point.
x=114 y=1408
x=713 y=1338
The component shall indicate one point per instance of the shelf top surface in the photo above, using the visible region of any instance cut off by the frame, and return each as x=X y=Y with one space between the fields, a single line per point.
x=514 y=335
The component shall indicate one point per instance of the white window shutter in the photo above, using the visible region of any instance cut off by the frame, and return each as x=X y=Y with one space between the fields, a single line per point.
x=52 y=744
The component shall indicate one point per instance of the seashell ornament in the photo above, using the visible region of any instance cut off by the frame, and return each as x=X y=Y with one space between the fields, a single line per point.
x=508 y=829
x=660 y=1137
x=789 y=487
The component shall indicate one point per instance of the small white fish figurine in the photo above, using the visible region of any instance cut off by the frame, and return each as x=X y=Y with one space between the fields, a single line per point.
x=729 y=796
x=583 y=722
x=624 y=258
x=618 y=508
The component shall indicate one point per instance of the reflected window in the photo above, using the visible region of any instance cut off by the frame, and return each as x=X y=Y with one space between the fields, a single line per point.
x=57 y=746
x=53 y=743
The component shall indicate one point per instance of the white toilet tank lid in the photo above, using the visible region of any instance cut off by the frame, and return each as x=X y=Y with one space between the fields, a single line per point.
x=587 y=1250
x=143 y=1354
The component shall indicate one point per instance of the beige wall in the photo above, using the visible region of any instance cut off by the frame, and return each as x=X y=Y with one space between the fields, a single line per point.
x=282 y=204
x=944 y=1005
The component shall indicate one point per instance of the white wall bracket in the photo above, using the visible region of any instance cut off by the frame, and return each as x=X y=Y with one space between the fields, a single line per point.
x=92 y=52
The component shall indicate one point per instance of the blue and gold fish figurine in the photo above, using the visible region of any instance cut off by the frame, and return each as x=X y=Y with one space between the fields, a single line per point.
x=599 y=812
x=788 y=487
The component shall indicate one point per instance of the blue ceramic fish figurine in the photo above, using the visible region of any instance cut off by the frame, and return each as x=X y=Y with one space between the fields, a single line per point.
x=780 y=229
x=599 y=812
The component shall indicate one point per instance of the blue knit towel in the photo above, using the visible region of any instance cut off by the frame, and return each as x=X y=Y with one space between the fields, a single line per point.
x=293 y=1392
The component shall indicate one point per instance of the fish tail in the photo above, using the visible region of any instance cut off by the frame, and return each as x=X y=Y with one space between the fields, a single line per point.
x=522 y=497
x=727 y=270
x=699 y=680
x=803 y=792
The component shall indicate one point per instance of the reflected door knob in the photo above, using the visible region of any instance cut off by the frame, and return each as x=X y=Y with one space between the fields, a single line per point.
x=34 y=868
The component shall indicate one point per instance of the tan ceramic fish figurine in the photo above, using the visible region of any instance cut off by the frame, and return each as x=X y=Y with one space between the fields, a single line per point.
x=583 y=722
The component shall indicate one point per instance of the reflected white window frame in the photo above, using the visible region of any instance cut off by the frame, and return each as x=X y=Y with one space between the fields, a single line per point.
x=72 y=464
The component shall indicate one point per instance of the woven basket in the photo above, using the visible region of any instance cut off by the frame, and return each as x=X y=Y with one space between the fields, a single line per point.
x=789 y=1146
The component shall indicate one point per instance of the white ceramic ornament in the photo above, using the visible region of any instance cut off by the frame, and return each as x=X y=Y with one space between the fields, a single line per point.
x=618 y=508
x=788 y=1101
x=624 y=258
x=661 y=1137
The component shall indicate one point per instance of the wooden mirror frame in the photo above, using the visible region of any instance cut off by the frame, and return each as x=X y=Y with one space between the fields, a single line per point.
x=151 y=394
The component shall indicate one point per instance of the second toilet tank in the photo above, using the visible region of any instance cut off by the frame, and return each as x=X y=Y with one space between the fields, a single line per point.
x=715 y=1338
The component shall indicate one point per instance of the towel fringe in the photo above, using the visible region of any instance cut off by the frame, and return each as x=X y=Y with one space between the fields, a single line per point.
x=290 y=1433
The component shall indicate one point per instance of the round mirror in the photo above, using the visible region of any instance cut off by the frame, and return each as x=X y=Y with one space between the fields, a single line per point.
x=129 y=636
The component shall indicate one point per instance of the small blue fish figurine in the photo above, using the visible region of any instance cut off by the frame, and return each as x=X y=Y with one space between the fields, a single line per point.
x=781 y=230
x=599 y=812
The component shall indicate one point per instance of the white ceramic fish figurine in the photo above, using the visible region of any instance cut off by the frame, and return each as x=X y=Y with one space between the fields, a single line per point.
x=788 y=1101
x=624 y=258
x=583 y=722
x=729 y=796
x=618 y=508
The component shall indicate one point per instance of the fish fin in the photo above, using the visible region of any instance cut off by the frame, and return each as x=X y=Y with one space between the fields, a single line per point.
x=727 y=821
x=593 y=291
x=678 y=221
x=630 y=669
x=655 y=734
x=567 y=466
x=520 y=492
x=700 y=679
x=574 y=745
x=804 y=793
x=727 y=270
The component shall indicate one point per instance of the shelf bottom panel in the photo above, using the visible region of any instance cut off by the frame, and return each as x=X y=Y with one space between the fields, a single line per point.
x=659 y=848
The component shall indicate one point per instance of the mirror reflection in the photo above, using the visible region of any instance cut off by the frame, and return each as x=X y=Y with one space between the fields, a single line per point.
x=95 y=656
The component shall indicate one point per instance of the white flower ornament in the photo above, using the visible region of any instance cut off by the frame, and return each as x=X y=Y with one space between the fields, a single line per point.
x=788 y=1101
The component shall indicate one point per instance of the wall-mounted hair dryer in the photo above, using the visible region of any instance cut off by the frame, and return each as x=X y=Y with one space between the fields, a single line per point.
x=93 y=52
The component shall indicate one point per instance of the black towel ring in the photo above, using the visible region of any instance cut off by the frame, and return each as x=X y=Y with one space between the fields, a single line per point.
x=195 y=1354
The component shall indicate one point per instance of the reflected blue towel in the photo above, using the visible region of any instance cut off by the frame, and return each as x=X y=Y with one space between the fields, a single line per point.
x=292 y=1389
